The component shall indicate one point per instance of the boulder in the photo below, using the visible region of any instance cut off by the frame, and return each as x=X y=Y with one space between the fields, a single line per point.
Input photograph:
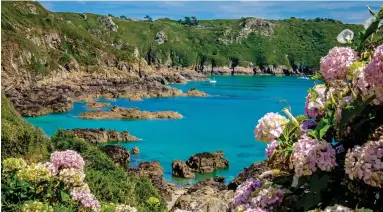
x=135 y=151
x=129 y=113
x=206 y=196
x=207 y=162
x=180 y=169
x=102 y=135
x=97 y=105
x=118 y=154
x=196 y=93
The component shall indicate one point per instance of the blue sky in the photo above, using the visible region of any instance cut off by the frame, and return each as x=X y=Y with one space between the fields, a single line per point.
x=345 y=11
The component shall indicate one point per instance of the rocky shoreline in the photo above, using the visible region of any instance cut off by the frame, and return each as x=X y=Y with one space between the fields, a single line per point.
x=130 y=114
x=102 y=135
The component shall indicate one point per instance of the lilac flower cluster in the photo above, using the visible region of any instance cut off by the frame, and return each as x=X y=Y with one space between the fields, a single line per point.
x=270 y=148
x=310 y=154
x=366 y=163
x=373 y=75
x=67 y=159
x=125 y=208
x=72 y=177
x=268 y=198
x=314 y=108
x=86 y=199
x=270 y=127
x=243 y=192
x=337 y=62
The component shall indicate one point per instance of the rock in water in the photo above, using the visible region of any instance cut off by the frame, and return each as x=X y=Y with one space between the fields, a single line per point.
x=129 y=113
x=102 y=135
x=195 y=92
x=180 y=169
x=97 y=105
x=135 y=151
x=207 y=162
x=118 y=154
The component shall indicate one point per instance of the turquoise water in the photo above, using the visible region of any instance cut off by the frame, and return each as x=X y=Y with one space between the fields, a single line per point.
x=223 y=121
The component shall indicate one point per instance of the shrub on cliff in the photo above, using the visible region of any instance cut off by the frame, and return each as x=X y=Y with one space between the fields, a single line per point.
x=19 y=138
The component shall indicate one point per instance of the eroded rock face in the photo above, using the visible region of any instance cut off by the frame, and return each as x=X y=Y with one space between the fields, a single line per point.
x=97 y=105
x=107 y=21
x=207 y=162
x=206 y=196
x=129 y=113
x=102 y=135
x=118 y=154
x=160 y=37
x=135 y=151
x=154 y=172
x=196 y=93
x=180 y=169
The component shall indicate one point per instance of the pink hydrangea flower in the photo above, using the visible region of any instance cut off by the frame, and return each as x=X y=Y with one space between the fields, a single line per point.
x=310 y=154
x=268 y=198
x=270 y=148
x=270 y=127
x=86 y=199
x=366 y=163
x=67 y=159
x=373 y=76
x=51 y=167
x=307 y=125
x=336 y=63
x=243 y=192
x=315 y=108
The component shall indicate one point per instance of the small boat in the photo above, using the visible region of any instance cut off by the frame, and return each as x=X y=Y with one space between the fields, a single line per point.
x=213 y=80
x=306 y=78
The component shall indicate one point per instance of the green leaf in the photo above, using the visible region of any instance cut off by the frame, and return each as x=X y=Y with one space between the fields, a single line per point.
x=323 y=130
x=64 y=196
x=371 y=11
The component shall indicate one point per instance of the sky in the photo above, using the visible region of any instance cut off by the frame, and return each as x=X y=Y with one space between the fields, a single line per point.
x=346 y=11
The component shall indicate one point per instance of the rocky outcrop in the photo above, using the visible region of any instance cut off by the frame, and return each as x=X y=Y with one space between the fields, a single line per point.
x=180 y=169
x=129 y=113
x=135 y=151
x=253 y=171
x=160 y=37
x=257 y=26
x=255 y=70
x=154 y=172
x=118 y=154
x=107 y=21
x=97 y=105
x=195 y=93
x=206 y=196
x=102 y=135
x=207 y=162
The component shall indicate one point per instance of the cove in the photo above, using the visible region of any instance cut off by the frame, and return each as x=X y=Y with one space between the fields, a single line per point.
x=223 y=121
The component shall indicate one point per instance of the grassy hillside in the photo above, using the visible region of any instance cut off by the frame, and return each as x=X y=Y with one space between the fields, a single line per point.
x=293 y=42
x=19 y=138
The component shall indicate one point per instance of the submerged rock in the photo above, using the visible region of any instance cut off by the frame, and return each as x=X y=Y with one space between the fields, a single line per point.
x=97 y=105
x=102 y=135
x=180 y=169
x=129 y=113
x=196 y=93
x=118 y=154
x=207 y=162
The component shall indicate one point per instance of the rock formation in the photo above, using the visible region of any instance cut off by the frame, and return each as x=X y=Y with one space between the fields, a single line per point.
x=207 y=162
x=160 y=37
x=97 y=105
x=129 y=113
x=256 y=25
x=180 y=169
x=196 y=93
x=102 y=135
x=203 y=163
x=118 y=154
x=209 y=195
x=154 y=172
x=135 y=151
x=107 y=21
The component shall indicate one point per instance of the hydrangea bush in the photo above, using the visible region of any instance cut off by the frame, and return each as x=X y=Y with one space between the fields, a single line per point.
x=334 y=151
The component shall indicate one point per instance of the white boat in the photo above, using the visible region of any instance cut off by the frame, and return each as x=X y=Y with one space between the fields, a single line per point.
x=306 y=78
x=213 y=80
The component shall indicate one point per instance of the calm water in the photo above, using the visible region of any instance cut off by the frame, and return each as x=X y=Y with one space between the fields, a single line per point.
x=224 y=121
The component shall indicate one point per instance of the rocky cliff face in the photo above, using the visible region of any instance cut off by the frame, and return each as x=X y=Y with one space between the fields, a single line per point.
x=102 y=135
